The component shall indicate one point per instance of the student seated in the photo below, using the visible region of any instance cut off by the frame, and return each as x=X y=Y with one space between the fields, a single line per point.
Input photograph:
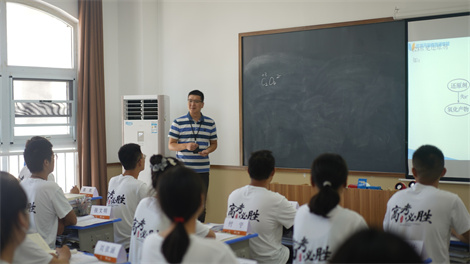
x=181 y=196
x=14 y=219
x=25 y=173
x=149 y=217
x=424 y=214
x=49 y=210
x=374 y=246
x=125 y=192
x=267 y=211
x=31 y=253
x=322 y=225
x=15 y=245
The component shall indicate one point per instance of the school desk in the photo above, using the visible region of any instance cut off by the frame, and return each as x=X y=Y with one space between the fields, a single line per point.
x=238 y=243
x=88 y=235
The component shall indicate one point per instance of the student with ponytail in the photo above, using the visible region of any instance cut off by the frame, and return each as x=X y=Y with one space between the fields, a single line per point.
x=149 y=218
x=181 y=196
x=322 y=225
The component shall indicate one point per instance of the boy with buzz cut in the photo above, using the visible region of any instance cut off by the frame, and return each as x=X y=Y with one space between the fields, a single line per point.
x=267 y=211
x=49 y=210
x=425 y=215
x=125 y=192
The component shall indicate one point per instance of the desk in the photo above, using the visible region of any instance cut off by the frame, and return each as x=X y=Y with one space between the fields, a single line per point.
x=87 y=236
x=240 y=245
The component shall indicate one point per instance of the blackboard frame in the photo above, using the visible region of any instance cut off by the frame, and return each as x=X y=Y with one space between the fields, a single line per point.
x=296 y=29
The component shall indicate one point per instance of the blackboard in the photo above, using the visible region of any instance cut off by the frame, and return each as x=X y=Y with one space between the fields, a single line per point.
x=338 y=88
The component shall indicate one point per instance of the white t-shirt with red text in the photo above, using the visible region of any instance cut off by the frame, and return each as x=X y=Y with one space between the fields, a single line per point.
x=124 y=194
x=425 y=215
x=268 y=212
x=148 y=219
x=316 y=238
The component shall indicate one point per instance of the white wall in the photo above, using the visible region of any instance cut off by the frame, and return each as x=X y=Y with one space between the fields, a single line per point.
x=69 y=6
x=171 y=47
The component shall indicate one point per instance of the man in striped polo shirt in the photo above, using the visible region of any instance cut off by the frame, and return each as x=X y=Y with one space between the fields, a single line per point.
x=193 y=136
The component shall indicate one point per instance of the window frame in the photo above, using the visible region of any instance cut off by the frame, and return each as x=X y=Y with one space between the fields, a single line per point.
x=72 y=110
x=8 y=142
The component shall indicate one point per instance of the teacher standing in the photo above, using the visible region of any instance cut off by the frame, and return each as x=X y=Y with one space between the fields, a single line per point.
x=193 y=136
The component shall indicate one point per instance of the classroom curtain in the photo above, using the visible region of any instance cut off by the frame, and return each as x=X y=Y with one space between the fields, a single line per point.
x=91 y=129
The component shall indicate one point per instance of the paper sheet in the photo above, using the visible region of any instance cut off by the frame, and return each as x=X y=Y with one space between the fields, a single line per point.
x=224 y=236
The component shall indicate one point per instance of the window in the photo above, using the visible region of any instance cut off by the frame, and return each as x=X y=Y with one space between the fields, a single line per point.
x=38 y=54
x=42 y=107
x=33 y=36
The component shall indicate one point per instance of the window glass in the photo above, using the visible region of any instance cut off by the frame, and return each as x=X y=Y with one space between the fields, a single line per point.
x=42 y=102
x=30 y=42
x=41 y=90
x=42 y=131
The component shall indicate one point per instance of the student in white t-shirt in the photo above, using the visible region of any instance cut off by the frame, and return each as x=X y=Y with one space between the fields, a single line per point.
x=322 y=225
x=14 y=219
x=15 y=245
x=267 y=211
x=25 y=173
x=149 y=218
x=49 y=210
x=181 y=195
x=125 y=192
x=425 y=215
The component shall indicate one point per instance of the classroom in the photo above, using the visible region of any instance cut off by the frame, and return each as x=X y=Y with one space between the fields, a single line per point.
x=194 y=44
x=171 y=47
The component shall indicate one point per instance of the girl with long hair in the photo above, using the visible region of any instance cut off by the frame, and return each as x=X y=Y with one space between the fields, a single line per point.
x=181 y=196
x=322 y=225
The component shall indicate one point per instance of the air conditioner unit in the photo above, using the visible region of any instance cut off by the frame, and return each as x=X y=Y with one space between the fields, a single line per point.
x=146 y=122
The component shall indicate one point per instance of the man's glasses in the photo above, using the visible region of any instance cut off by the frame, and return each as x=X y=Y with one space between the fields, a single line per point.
x=194 y=101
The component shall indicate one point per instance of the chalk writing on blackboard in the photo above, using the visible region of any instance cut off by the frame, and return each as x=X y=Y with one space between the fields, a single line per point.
x=458 y=86
x=269 y=80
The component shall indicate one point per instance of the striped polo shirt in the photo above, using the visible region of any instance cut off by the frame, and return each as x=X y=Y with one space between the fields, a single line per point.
x=202 y=132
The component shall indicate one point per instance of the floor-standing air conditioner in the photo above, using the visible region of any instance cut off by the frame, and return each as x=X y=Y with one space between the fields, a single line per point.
x=146 y=122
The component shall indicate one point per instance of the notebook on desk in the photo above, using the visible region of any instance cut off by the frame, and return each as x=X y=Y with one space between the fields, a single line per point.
x=37 y=238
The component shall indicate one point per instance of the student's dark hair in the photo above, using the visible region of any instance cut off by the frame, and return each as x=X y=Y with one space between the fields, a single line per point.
x=180 y=191
x=34 y=139
x=261 y=164
x=428 y=161
x=375 y=246
x=159 y=165
x=129 y=154
x=329 y=172
x=12 y=202
x=36 y=151
x=197 y=92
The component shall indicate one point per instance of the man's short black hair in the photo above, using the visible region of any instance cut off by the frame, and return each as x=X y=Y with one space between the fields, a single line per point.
x=129 y=155
x=261 y=165
x=35 y=152
x=197 y=92
x=428 y=161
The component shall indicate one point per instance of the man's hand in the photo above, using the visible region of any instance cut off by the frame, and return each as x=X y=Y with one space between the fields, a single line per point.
x=204 y=153
x=191 y=146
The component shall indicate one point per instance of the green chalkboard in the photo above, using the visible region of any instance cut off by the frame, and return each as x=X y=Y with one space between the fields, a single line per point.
x=334 y=88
